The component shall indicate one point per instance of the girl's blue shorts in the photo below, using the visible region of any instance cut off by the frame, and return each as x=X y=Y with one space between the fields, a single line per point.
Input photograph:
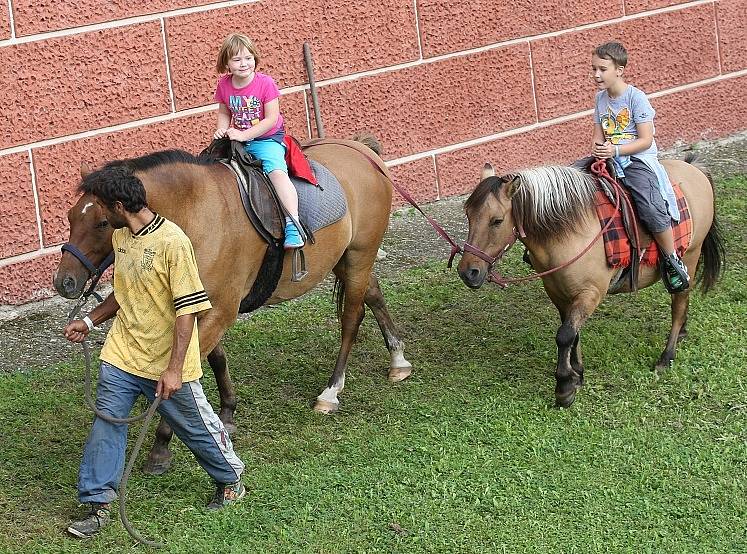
x=271 y=152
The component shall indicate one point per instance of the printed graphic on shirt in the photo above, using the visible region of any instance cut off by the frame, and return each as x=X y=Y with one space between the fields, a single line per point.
x=147 y=261
x=246 y=111
x=614 y=125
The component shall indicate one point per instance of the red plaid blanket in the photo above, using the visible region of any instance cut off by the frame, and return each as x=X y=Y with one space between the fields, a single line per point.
x=616 y=243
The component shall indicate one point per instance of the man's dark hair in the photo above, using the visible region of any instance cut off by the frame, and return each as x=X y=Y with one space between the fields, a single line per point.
x=612 y=51
x=113 y=184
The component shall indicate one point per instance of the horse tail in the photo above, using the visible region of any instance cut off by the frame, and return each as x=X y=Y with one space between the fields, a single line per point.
x=712 y=253
x=369 y=140
x=338 y=296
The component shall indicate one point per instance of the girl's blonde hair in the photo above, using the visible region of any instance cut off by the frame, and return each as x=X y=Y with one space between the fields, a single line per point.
x=231 y=46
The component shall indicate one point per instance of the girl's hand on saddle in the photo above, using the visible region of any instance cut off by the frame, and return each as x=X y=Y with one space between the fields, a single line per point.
x=76 y=331
x=219 y=134
x=604 y=151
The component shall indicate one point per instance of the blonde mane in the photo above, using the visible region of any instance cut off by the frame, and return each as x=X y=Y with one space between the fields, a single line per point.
x=552 y=200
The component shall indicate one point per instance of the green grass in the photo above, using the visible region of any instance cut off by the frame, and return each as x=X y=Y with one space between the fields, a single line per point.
x=468 y=455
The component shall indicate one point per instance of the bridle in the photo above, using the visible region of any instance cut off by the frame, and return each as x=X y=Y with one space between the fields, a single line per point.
x=94 y=272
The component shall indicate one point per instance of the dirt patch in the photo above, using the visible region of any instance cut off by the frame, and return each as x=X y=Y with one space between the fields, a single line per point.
x=30 y=335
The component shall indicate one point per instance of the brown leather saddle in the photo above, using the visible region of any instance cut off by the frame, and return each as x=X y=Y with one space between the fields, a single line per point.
x=266 y=214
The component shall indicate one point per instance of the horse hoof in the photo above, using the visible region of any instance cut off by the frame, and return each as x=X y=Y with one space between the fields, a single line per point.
x=160 y=467
x=565 y=400
x=325 y=407
x=397 y=374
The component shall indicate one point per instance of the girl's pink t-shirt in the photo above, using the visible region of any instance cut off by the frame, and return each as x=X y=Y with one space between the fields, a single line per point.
x=247 y=104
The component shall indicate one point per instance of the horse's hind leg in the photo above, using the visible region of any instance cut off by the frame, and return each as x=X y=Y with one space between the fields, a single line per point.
x=577 y=362
x=680 y=303
x=353 y=286
x=399 y=367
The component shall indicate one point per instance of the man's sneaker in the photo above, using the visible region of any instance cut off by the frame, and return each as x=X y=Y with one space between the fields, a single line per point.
x=226 y=494
x=97 y=518
x=674 y=274
x=293 y=238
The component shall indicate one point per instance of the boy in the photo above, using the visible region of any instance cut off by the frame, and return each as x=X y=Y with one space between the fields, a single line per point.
x=624 y=131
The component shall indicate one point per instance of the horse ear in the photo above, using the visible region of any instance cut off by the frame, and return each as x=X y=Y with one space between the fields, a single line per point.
x=511 y=182
x=85 y=171
x=487 y=171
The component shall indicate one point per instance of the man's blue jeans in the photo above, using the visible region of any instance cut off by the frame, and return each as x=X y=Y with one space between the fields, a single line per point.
x=187 y=411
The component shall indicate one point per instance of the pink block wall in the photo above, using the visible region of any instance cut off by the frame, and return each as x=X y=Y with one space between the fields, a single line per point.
x=446 y=86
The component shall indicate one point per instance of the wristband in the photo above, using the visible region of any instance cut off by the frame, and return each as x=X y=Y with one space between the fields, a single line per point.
x=617 y=151
x=89 y=323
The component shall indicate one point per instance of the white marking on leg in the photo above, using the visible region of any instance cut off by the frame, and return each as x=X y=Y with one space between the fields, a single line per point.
x=83 y=211
x=329 y=395
x=398 y=357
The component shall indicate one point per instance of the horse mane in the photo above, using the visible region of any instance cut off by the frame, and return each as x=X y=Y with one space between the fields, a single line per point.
x=156 y=159
x=547 y=201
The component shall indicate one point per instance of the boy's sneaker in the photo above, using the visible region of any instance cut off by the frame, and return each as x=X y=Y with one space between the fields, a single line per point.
x=226 y=494
x=674 y=274
x=293 y=238
x=98 y=517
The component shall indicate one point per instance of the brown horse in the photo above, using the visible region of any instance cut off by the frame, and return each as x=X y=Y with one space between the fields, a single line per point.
x=202 y=197
x=554 y=206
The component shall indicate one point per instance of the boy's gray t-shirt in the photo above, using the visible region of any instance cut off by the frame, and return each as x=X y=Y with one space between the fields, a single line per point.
x=619 y=116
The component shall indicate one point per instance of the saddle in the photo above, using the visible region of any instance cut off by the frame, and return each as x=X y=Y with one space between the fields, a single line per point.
x=627 y=244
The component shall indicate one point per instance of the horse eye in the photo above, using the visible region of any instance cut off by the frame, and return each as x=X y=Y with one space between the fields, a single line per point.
x=102 y=224
x=495 y=222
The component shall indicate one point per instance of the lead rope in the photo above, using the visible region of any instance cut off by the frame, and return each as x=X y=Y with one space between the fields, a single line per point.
x=146 y=417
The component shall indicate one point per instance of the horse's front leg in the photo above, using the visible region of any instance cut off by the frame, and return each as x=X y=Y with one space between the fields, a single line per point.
x=210 y=330
x=399 y=367
x=569 y=371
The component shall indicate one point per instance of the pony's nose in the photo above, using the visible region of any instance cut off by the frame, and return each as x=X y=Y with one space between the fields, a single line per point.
x=472 y=277
x=69 y=284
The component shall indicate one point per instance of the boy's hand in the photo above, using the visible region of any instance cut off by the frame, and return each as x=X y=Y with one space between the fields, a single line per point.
x=219 y=134
x=604 y=151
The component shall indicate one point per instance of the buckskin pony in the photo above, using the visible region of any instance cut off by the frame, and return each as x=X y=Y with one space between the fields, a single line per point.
x=201 y=196
x=554 y=208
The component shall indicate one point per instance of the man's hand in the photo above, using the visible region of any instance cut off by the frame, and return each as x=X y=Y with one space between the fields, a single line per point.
x=219 y=134
x=76 y=331
x=169 y=383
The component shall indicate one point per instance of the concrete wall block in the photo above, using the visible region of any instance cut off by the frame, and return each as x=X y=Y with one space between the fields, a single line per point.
x=447 y=26
x=459 y=171
x=562 y=64
x=28 y=281
x=58 y=166
x=732 y=27
x=345 y=38
x=89 y=81
x=39 y=16
x=18 y=229
x=4 y=22
x=418 y=179
x=702 y=113
x=637 y=6
x=436 y=104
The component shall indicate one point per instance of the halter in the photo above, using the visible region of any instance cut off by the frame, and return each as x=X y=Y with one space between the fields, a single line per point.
x=94 y=273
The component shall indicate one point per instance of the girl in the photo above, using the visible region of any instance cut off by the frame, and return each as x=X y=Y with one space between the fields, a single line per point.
x=249 y=112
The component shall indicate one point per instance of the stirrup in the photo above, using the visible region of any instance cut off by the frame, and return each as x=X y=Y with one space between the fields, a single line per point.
x=298 y=265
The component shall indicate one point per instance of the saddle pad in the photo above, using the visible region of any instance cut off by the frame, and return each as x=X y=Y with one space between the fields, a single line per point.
x=616 y=243
x=323 y=204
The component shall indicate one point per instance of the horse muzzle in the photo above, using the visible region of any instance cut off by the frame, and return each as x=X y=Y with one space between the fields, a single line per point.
x=68 y=285
x=473 y=276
